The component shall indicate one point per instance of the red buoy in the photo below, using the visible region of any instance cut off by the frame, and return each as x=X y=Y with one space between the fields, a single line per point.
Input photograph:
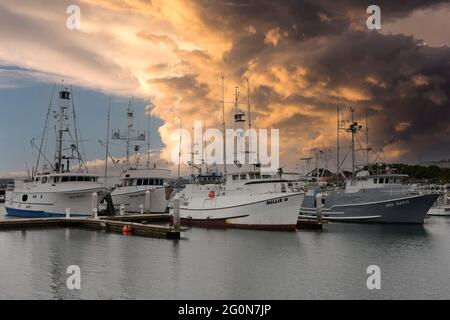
x=126 y=230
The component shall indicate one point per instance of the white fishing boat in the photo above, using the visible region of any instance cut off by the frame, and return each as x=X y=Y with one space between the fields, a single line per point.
x=249 y=200
x=57 y=190
x=136 y=181
x=246 y=199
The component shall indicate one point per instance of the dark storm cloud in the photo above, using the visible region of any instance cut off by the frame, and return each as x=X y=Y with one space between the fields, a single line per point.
x=405 y=84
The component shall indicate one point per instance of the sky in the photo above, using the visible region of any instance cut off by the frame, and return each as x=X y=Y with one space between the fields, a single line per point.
x=303 y=58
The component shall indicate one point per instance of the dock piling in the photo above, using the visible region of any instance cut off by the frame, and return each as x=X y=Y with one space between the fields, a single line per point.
x=176 y=213
x=147 y=201
x=319 y=207
x=94 y=204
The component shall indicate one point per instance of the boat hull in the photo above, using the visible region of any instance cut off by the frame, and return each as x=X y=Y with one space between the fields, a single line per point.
x=19 y=213
x=132 y=200
x=410 y=209
x=257 y=211
x=51 y=204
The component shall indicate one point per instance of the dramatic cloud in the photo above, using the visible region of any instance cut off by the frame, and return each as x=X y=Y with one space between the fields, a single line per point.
x=303 y=58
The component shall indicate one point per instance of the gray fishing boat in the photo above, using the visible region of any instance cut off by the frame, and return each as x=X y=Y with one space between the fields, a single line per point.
x=382 y=198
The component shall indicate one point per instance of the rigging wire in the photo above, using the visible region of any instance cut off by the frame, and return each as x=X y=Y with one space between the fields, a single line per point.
x=44 y=132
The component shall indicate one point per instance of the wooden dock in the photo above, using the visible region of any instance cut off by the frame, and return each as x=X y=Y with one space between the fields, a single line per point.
x=110 y=224
x=308 y=223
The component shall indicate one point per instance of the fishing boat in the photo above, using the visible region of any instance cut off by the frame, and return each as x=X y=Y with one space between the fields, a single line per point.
x=368 y=196
x=247 y=198
x=382 y=198
x=59 y=189
x=136 y=181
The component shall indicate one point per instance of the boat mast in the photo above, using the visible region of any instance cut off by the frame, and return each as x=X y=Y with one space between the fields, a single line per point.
x=338 y=161
x=367 y=144
x=248 y=105
x=130 y=134
x=148 y=138
x=249 y=123
x=107 y=140
x=353 y=141
x=223 y=130
x=64 y=104
x=353 y=129
x=179 y=150
x=130 y=113
x=239 y=123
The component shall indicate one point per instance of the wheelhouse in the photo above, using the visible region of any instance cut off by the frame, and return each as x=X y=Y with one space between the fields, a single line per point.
x=128 y=182
x=54 y=179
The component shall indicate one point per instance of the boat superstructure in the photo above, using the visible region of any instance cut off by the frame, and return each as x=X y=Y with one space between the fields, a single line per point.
x=59 y=189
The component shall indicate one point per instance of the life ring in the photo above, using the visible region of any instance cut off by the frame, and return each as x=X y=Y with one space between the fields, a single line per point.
x=211 y=194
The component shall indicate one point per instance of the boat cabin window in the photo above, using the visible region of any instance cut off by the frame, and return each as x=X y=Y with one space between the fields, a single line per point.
x=375 y=180
x=251 y=175
x=243 y=176
x=44 y=180
x=64 y=179
x=139 y=182
x=72 y=178
x=257 y=175
x=265 y=176
x=381 y=180
x=235 y=177
x=37 y=179
x=146 y=181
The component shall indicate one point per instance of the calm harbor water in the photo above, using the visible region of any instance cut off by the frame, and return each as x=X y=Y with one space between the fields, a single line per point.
x=230 y=264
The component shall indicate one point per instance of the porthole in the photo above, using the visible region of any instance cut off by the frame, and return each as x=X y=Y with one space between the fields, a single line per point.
x=24 y=197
